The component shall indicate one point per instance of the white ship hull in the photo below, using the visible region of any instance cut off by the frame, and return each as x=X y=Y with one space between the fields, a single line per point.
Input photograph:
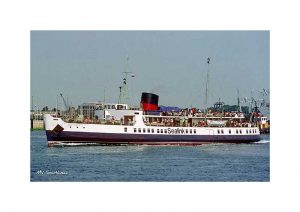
x=59 y=132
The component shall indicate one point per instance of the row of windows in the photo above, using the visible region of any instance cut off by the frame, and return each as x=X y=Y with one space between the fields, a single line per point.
x=238 y=131
x=187 y=131
x=158 y=130
x=263 y=119
x=77 y=127
x=251 y=131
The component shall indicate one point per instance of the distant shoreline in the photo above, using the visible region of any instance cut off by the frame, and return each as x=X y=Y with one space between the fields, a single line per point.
x=36 y=129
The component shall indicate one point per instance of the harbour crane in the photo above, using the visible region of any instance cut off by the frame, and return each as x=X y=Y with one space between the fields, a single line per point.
x=65 y=102
x=259 y=102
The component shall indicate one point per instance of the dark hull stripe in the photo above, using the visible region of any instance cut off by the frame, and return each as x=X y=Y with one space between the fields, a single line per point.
x=151 y=139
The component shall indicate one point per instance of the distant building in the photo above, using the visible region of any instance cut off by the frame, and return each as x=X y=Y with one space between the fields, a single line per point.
x=113 y=111
x=38 y=114
x=88 y=109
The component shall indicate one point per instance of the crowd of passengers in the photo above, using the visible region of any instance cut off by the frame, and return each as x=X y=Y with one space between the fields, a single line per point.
x=179 y=122
x=176 y=122
x=198 y=113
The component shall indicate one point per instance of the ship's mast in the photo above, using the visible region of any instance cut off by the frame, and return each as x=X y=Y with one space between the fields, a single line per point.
x=239 y=103
x=252 y=101
x=120 y=95
x=56 y=112
x=104 y=94
x=124 y=96
x=206 y=88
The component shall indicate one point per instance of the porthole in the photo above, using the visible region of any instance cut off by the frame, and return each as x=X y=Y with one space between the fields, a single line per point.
x=144 y=130
x=161 y=131
x=140 y=130
x=157 y=130
x=241 y=131
x=191 y=131
x=194 y=131
x=148 y=130
x=166 y=131
x=152 y=130
x=134 y=129
x=237 y=132
x=186 y=131
x=229 y=131
x=218 y=131
x=125 y=129
x=222 y=131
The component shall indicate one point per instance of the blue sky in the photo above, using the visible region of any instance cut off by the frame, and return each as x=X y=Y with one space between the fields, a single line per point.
x=172 y=64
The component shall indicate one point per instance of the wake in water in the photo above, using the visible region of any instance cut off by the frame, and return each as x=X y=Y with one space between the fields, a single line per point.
x=265 y=138
x=262 y=142
x=76 y=144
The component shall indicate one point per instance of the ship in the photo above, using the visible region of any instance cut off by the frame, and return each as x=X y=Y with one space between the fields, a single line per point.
x=148 y=125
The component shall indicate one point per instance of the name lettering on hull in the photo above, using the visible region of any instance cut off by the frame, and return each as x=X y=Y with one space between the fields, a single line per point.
x=176 y=131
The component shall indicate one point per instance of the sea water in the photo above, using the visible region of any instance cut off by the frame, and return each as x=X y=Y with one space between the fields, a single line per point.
x=204 y=163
